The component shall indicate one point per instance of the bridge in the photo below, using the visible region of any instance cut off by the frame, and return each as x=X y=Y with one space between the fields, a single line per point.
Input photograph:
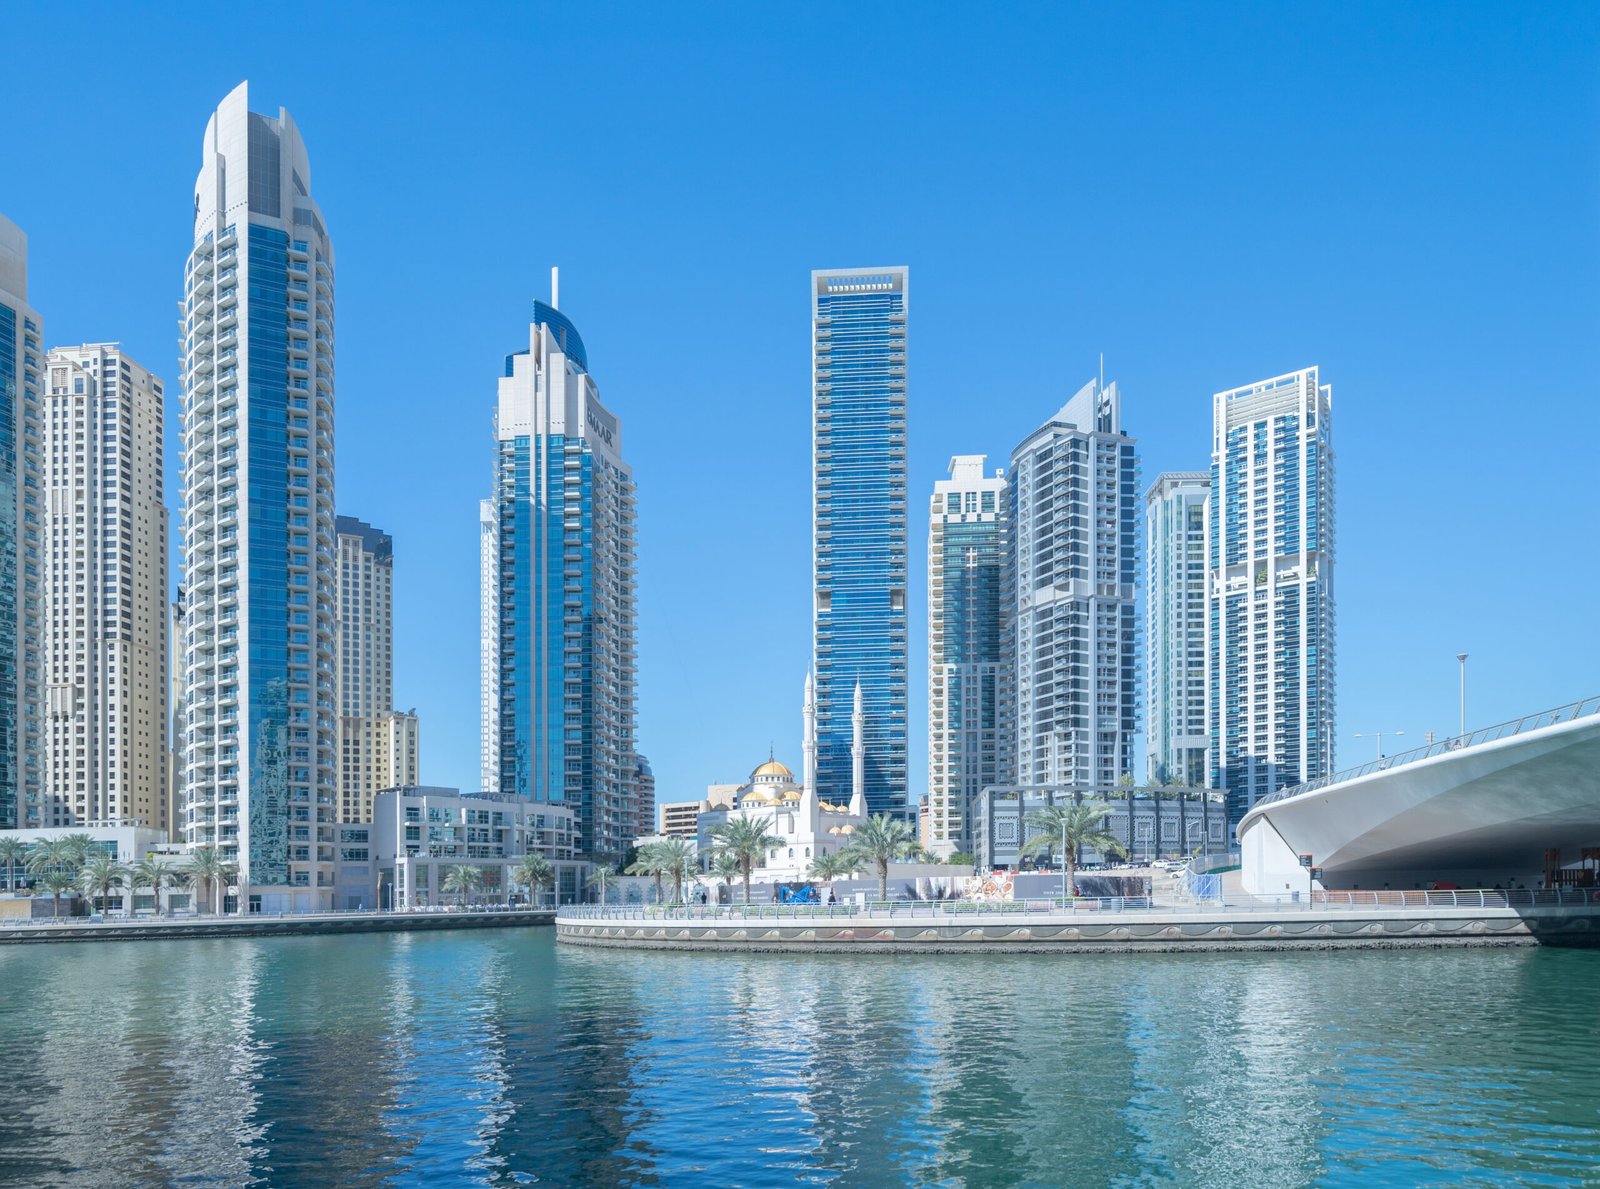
x=1517 y=804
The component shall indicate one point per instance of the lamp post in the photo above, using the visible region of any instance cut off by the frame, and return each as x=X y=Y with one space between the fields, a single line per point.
x=1065 y=891
x=1376 y=735
x=1462 y=657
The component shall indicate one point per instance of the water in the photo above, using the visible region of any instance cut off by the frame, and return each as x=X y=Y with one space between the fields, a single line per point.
x=498 y=1058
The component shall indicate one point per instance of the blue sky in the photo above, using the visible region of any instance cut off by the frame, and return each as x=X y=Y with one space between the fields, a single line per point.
x=1408 y=196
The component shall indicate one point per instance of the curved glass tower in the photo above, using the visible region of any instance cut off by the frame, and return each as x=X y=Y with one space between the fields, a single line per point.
x=858 y=444
x=258 y=528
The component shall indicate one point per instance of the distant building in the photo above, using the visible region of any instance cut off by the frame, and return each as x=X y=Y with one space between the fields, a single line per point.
x=680 y=819
x=397 y=744
x=1148 y=825
x=644 y=786
x=858 y=402
x=103 y=594
x=1270 y=669
x=1069 y=596
x=21 y=379
x=1175 y=628
x=365 y=664
x=966 y=648
x=562 y=568
x=418 y=833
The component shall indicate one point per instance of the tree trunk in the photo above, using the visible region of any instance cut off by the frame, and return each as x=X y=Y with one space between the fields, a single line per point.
x=1072 y=873
x=883 y=880
x=747 y=886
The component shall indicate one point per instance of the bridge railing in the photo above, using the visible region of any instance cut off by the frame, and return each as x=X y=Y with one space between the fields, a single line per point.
x=1517 y=726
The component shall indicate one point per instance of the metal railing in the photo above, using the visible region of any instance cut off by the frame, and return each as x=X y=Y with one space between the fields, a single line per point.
x=1505 y=730
x=957 y=910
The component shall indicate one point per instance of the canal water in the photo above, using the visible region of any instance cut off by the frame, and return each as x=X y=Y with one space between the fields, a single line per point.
x=494 y=1057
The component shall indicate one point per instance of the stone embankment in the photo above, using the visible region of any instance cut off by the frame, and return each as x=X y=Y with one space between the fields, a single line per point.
x=168 y=928
x=1125 y=931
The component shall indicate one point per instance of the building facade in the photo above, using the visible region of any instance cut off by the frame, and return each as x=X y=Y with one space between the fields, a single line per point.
x=1270 y=668
x=858 y=403
x=1175 y=516
x=365 y=665
x=397 y=749
x=418 y=833
x=1069 y=597
x=1164 y=823
x=489 y=643
x=103 y=597
x=966 y=646
x=644 y=788
x=21 y=382
x=565 y=664
x=258 y=560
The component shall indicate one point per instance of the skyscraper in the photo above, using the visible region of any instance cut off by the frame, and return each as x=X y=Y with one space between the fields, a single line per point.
x=489 y=644
x=965 y=647
x=1071 y=574
x=104 y=591
x=1270 y=674
x=21 y=377
x=858 y=405
x=258 y=550
x=1175 y=628
x=365 y=666
x=564 y=572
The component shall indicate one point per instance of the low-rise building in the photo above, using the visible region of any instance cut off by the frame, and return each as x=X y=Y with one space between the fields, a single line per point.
x=419 y=832
x=1149 y=824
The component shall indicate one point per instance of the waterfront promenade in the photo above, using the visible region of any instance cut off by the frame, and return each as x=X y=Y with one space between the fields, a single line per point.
x=168 y=928
x=1335 y=920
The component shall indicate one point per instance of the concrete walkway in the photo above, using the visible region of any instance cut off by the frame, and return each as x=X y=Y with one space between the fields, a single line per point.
x=168 y=928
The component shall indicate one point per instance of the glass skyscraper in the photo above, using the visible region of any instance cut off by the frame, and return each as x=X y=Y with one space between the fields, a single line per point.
x=258 y=525
x=562 y=681
x=966 y=645
x=1175 y=628
x=1071 y=576
x=858 y=402
x=21 y=372
x=1270 y=674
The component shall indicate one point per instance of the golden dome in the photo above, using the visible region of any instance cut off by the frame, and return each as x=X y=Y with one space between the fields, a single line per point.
x=772 y=768
x=792 y=795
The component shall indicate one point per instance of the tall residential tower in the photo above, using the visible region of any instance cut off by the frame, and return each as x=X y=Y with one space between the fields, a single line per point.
x=858 y=450
x=1072 y=569
x=21 y=378
x=104 y=606
x=258 y=539
x=966 y=646
x=366 y=668
x=1270 y=675
x=563 y=556
x=1175 y=629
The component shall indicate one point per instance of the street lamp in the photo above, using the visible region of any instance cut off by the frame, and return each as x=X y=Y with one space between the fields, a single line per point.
x=1378 y=735
x=1064 y=889
x=1462 y=657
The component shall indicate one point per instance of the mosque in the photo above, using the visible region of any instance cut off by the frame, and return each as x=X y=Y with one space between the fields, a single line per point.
x=792 y=812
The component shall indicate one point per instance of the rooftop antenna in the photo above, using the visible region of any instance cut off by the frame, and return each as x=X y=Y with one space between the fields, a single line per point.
x=555 y=289
x=1102 y=368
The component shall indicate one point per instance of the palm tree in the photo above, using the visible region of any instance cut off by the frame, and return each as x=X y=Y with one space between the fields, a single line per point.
x=1075 y=826
x=80 y=846
x=463 y=881
x=881 y=839
x=534 y=872
x=648 y=862
x=676 y=858
x=150 y=873
x=12 y=850
x=725 y=866
x=100 y=873
x=828 y=867
x=747 y=838
x=207 y=868
x=605 y=867
x=57 y=881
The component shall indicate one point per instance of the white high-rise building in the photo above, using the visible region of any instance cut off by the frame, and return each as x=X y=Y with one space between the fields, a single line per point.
x=966 y=647
x=365 y=667
x=21 y=379
x=1175 y=629
x=489 y=644
x=1071 y=577
x=1270 y=674
x=104 y=609
x=258 y=536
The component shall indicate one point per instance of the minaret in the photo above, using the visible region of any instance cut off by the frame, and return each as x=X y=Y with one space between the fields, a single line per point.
x=858 y=757
x=808 y=768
